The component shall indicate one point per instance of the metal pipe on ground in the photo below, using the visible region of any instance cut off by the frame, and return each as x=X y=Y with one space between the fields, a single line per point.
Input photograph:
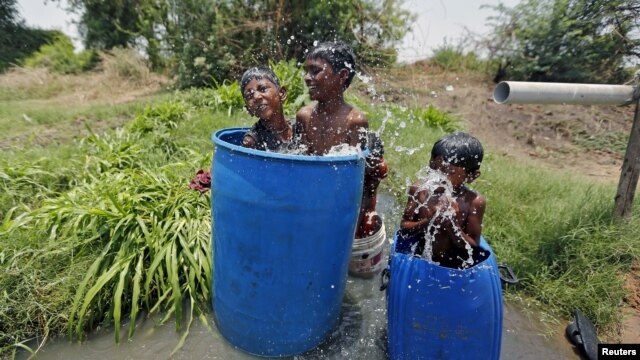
x=522 y=92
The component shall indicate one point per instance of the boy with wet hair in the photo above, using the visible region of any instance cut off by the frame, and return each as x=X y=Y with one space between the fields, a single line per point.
x=442 y=212
x=263 y=97
x=330 y=121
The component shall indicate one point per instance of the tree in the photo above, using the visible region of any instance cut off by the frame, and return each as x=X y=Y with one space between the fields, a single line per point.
x=16 y=40
x=566 y=40
x=9 y=17
x=212 y=40
x=107 y=24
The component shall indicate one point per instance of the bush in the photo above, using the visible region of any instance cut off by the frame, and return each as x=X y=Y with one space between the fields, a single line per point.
x=59 y=57
x=453 y=58
x=22 y=43
x=583 y=41
x=124 y=63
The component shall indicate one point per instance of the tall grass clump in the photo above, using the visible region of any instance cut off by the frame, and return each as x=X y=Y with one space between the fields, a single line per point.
x=453 y=58
x=558 y=234
x=125 y=235
x=125 y=63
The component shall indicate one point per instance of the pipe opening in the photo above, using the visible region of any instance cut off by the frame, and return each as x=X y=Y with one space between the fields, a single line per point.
x=501 y=92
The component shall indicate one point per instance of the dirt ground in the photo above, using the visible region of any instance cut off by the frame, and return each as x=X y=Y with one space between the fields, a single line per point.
x=545 y=135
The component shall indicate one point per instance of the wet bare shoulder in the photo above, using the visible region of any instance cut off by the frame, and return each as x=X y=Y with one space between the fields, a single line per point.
x=304 y=114
x=357 y=118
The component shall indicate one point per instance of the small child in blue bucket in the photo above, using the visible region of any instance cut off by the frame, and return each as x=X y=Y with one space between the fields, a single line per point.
x=263 y=97
x=443 y=213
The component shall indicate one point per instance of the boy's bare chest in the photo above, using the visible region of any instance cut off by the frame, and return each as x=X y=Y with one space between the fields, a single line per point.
x=326 y=132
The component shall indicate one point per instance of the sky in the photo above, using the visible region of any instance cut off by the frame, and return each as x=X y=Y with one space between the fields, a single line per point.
x=437 y=20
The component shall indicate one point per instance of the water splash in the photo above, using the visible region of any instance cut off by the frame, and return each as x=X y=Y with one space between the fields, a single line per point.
x=441 y=197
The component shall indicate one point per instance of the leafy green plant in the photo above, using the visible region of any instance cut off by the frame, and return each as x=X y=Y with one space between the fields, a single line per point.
x=59 y=57
x=291 y=76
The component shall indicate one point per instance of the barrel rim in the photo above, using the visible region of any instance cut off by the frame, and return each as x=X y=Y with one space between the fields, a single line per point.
x=215 y=137
x=484 y=245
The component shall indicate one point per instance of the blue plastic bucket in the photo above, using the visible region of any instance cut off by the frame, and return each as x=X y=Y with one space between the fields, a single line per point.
x=436 y=312
x=283 y=226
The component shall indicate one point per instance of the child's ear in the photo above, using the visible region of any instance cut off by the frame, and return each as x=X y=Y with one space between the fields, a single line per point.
x=344 y=75
x=283 y=93
x=436 y=163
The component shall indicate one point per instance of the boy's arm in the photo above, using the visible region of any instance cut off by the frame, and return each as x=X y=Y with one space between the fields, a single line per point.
x=470 y=235
x=411 y=221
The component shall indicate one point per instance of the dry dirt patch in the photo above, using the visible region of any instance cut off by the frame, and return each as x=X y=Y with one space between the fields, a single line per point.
x=544 y=134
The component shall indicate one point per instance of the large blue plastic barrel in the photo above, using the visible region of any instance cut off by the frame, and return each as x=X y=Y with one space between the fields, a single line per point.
x=283 y=226
x=436 y=312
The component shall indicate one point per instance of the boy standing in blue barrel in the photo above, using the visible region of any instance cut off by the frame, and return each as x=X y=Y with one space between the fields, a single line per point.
x=331 y=121
x=443 y=213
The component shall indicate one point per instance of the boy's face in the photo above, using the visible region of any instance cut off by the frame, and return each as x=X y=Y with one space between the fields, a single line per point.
x=322 y=81
x=457 y=175
x=263 y=99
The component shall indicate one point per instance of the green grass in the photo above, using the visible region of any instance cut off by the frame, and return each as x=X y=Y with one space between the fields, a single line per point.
x=97 y=229
x=603 y=141
x=557 y=232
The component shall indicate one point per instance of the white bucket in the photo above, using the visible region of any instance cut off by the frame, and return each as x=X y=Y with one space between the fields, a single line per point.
x=367 y=253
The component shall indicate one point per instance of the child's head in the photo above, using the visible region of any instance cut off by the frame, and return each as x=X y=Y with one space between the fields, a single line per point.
x=338 y=56
x=263 y=96
x=459 y=156
x=258 y=73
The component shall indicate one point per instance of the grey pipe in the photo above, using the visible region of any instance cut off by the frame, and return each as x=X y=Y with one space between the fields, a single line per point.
x=521 y=92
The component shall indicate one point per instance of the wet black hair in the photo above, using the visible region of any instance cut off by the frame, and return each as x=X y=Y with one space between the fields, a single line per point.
x=338 y=54
x=256 y=73
x=459 y=149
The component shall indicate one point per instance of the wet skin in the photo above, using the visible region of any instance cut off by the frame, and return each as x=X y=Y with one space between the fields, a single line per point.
x=330 y=121
x=263 y=99
x=451 y=234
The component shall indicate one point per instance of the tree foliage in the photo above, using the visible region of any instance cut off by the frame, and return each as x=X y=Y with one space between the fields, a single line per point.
x=566 y=40
x=17 y=41
x=208 y=41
